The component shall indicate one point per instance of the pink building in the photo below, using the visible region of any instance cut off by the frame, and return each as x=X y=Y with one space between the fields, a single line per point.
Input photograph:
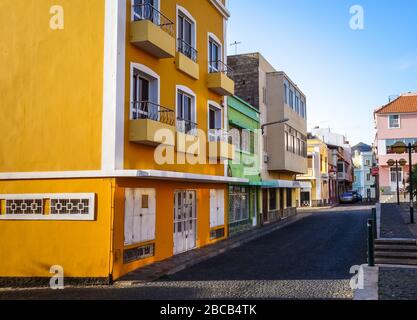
x=396 y=121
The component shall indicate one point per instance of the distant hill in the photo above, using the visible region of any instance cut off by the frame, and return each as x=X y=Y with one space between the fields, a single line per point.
x=362 y=147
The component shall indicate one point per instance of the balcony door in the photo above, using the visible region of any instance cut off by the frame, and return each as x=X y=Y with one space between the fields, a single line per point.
x=394 y=179
x=214 y=56
x=146 y=10
x=144 y=96
x=185 y=113
x=215 y=123
x=186 y=30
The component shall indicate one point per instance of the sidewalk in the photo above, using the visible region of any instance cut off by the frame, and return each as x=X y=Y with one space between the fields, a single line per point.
x=397 y=282
x=186 y=260
x=395 y=222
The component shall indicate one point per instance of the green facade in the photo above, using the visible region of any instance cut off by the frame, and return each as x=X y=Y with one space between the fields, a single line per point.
x=244 y=199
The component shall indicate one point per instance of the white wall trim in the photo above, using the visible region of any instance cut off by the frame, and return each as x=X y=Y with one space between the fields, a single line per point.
x=114 y=85
x=221 y=8
x=151 y=174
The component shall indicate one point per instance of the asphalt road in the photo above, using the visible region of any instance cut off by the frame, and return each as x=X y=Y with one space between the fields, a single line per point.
x=309 y=259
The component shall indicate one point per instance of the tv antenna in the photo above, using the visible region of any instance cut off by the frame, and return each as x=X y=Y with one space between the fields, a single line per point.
x=235 y=44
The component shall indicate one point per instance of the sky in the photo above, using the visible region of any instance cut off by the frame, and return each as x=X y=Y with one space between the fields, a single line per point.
x=346 y=74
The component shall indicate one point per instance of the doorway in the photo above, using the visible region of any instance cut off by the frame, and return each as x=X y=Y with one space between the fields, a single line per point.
x=185 y=221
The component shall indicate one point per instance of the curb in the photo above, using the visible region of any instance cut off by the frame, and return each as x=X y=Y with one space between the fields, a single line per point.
x=232 y=245
x=370 y=289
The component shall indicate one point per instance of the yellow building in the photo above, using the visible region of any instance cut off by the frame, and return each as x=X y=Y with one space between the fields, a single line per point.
x=318 y=175
x=96 y=96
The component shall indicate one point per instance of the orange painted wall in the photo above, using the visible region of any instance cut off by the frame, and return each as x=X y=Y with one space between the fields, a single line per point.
x=164 y=243
x=208 y=19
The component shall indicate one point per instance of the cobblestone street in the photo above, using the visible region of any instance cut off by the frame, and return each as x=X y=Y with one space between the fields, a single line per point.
x=309 y=259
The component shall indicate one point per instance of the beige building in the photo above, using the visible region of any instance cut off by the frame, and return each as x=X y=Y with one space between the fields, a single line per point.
x=284 y=146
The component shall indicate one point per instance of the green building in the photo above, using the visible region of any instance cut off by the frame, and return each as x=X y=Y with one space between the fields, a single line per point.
x=244 y=128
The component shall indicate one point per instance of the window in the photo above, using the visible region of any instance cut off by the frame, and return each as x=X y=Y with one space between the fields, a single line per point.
x=186 y=113
x=186 y=36
x=272 y=199
x=145 y=10
x=215 y=124
x=292 y=98
x=235 y=136
x=367 y=163
x=145 y=94
x=394 y=121
x=368 y=177
x=297 y=103
x=393 y=172
x=287 y=141
x=78 y=207
x=214 y=56
x=245 y=140
x=286 y=92
x=264 y=95
x=238 y=204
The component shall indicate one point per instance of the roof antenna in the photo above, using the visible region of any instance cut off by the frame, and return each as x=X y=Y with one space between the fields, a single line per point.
x=235 y=44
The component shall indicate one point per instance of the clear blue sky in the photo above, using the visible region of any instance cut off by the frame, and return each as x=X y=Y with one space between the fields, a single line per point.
x=345 y=74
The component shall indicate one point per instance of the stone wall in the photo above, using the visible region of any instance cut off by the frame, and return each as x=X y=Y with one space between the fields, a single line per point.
x=246 y=76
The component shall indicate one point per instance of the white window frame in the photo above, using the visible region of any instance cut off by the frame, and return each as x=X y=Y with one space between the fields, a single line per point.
x=191 y=93
x=389 y=121
x=153 y=76
x=211 y=36
x=51 y=217
x=188 y=15
x=214 y=105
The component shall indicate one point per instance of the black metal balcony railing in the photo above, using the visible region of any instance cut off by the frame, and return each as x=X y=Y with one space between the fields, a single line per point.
x=152 y=111
x=187 y=50
x=219 y=135
x=148 y=12
x=186 y=126
x=219 y=66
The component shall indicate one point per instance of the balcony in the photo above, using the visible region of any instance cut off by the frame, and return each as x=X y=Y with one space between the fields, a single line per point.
x=218 y=80
x=341 y=176
x=186 y=59
x=219 y=147
x=307 y=176
x=151 y=124
x=152 y=32
x=188 y=141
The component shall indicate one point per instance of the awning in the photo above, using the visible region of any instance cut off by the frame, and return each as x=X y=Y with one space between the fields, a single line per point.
x=288 y=184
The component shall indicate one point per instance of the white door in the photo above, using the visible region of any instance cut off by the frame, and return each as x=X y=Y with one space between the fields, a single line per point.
x=216 y=208
x=140 y=215
x=394 y=179
x=185 y=221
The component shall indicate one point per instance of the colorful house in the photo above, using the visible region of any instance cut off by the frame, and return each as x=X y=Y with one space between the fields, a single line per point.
x=364 y=181
x=317 y=175
x=283 y=146
x=395 y=122
x=244 y=128
x=105 y=164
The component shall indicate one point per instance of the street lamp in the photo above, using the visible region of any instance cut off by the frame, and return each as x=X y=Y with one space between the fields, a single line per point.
x=396 y=163
x=401 y=147
x=272 y=123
